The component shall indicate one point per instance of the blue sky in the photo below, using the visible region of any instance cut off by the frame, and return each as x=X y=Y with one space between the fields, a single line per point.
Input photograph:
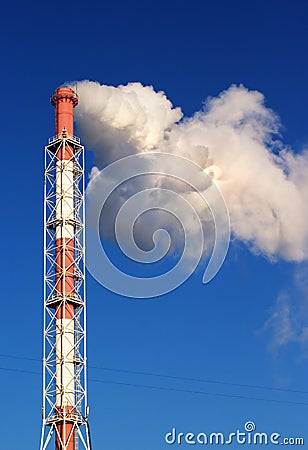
x=216 y=332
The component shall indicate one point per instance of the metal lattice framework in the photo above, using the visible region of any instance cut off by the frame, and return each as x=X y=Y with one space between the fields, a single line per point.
x=64 y=371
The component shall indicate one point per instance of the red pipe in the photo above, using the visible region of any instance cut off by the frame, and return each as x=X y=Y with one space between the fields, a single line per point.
x=64 y=100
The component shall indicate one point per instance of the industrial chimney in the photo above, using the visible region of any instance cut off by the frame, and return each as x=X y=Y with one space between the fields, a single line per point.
x=65 y=410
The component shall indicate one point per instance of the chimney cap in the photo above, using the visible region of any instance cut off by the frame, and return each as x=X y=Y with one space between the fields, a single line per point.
x=64 y=93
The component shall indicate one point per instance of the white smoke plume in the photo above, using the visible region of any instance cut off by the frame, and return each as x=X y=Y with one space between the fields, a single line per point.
x=287 y=321
x=234 y=138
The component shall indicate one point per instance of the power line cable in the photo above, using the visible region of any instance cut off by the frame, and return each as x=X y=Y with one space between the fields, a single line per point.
x=201 y=380
x=174 y=377
x=20 y=370
x=215 y=394
x=20 y=357
x=161 y=388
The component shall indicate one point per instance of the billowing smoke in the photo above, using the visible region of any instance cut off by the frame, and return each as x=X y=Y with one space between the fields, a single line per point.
x=234 y=138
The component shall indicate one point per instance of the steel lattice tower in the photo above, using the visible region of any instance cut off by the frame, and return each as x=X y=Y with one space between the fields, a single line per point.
x=65 y=410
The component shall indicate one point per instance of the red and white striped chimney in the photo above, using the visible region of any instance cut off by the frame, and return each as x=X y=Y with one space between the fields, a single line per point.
x=64 y=100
